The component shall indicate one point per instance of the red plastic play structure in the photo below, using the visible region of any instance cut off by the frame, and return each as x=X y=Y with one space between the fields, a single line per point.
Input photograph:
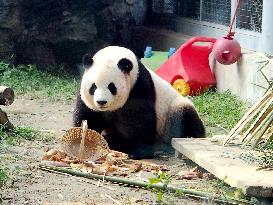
x=188 y=68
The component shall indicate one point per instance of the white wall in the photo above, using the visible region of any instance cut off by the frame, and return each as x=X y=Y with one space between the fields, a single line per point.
x=262 y=42
x=244 y=78
x=266 y=44
x=248 y=39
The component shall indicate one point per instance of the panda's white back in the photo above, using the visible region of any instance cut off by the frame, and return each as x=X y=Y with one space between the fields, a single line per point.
x=168 y=100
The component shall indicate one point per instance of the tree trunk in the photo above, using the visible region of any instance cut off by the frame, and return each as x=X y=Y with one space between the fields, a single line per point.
x=6 y=95
x=4 y=121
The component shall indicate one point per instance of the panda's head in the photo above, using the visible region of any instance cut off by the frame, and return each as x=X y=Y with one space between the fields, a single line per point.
x=108 y=78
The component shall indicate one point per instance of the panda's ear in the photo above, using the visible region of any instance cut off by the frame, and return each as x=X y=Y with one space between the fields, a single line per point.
x=125 y=65
x=87 y=61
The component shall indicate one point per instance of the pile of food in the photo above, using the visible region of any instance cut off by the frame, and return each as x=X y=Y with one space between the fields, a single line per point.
x=88 y=151
x=114 y=163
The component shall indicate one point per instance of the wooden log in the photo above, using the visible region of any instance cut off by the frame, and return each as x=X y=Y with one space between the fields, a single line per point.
x=4 y=121
x=6 y=95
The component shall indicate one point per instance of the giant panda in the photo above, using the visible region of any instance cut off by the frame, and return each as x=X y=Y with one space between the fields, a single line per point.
x=136 y=111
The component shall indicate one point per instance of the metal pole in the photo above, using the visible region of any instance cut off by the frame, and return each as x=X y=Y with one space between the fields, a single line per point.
x=233 y=8
x=201 y=10
x=266 y=45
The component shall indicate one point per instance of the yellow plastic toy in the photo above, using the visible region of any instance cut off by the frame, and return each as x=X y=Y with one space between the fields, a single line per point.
x=182 y=87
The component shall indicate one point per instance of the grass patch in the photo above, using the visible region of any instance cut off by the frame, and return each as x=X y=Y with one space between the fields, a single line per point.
x=224 y=109
x=261 y=156
x=266 y=157
x=9 y=170
x=22 y=133
x=218 y=187
x=28 y=80
x=3 y=176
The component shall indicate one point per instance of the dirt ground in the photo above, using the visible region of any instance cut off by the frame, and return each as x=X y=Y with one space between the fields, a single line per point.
x=33 y=186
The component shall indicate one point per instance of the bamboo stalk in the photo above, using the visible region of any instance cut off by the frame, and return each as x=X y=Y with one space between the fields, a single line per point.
x=258 y=122
x=270 y=138
x=247 y=117
x=84 y=131
x=266 y=119
x=254 y=124
x=263 y=129
x=142 y=184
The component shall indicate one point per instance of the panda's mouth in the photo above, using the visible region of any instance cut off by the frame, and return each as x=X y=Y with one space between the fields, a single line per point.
x=102 y=107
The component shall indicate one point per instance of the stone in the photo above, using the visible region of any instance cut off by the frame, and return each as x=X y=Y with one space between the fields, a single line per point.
x=47 y=33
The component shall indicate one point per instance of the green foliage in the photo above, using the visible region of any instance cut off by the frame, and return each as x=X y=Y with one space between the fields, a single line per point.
x=3 y=176
x=220 y=188
x=265 y=159
x=223 y=109
x=19 y=133
x=10 y=171
x=163 y=178
x=14 y=137
x=267 y=146
x=28 y=80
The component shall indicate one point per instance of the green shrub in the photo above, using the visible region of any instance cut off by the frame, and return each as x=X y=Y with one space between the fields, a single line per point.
x=28 y=80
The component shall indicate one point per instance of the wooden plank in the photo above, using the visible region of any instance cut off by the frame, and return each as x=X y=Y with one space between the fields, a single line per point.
x=223 y=162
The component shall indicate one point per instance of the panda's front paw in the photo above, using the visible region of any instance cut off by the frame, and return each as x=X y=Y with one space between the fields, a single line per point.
x=141 y=154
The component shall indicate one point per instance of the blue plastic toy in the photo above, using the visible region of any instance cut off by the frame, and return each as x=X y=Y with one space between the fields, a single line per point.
x=171 y=52
x=148 y=52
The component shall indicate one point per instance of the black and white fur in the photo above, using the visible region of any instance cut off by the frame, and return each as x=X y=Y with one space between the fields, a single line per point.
x=133 y=107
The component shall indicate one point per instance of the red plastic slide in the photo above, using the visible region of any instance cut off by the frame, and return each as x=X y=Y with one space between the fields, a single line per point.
x=188 y=68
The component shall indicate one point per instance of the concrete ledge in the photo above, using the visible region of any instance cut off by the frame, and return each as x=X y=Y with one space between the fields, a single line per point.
x=224 y=163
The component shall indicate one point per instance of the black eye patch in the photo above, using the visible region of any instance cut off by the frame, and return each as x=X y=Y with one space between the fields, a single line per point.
x=112 y=88
x=125 y=65
x=92 y=89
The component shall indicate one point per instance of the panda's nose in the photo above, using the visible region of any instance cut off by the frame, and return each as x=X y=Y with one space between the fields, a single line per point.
x=101 y=102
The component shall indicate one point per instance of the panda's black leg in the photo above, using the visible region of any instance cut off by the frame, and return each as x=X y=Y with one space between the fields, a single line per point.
x=142 y=152
x=115 y=140
x=141 y=129
x=141 y=143
x=136 y=149
x=185 y=122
